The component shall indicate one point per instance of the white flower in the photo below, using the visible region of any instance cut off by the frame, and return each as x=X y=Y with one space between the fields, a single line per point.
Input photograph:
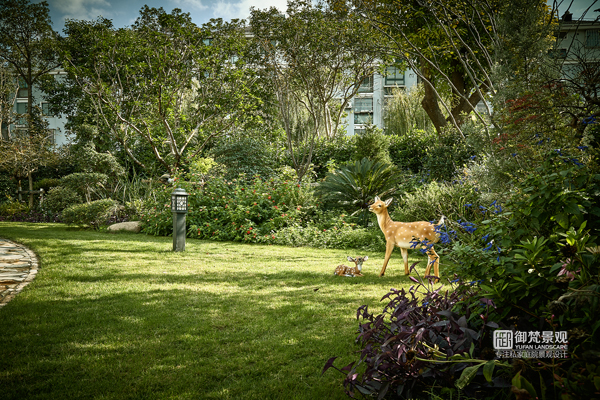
x=531 y=270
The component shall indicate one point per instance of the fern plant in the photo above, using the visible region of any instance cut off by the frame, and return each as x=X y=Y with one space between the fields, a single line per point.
x=353 y=186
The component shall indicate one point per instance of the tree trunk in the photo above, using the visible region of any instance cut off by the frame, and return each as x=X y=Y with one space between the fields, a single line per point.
x=432 y=108
x=30 y=189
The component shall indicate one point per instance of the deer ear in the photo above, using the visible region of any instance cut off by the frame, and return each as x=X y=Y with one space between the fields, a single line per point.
x=366 y=258
x=376 y=199
x=388 y=201
x=350 y=259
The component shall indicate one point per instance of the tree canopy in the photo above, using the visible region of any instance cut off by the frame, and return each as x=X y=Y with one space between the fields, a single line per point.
x=315 y=60
x=164 y=85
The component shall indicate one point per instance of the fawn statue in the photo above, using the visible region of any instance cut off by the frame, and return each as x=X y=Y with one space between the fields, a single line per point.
x=343 y=270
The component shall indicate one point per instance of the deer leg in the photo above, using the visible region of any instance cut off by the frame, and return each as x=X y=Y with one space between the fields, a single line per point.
x=405 y=258
x=433 y=260
x=388 y=253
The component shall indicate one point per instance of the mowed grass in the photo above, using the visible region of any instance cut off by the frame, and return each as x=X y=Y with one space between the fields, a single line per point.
x=121 y=316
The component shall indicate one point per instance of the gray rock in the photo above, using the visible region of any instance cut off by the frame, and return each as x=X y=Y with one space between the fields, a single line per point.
x=131 y=226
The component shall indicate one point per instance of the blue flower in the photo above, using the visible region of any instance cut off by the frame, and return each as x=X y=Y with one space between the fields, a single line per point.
x=467 y=205
x=582 y=147
x=488 y=247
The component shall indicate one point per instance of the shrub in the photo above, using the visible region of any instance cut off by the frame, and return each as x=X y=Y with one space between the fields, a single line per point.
x=447 y=155
x=248 y=156
x=86 y=184
x=231 y=210
x=46 y=184
x=408 y=151
x=345 y=236
x=335 y=152
x=12 y=207
x=93 y=214
x=354 y=186
x=8 y=188
x=456 y=201
x=425 y=338
x=59 y=198
x=373 y=145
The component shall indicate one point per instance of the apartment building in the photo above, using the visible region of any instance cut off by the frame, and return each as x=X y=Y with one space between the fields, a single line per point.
x=56 y=124
x=368 y=106
x=578 y=45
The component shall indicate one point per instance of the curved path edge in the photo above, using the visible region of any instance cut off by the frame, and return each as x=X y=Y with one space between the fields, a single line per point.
x=18 y=267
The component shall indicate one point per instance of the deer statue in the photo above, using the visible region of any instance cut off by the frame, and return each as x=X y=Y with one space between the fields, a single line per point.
x=343 y=270
x=406 y=235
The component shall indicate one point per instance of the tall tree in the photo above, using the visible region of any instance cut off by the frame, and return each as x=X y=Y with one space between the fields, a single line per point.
x=315 y=60
x=451 y=45
x=164 y=84
x=27 y=42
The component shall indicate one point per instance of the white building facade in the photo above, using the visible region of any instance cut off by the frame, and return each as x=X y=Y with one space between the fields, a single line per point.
x=368 y=106
x=56 y=124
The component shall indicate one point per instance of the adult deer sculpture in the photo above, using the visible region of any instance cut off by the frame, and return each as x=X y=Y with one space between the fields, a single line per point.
x=406 y=235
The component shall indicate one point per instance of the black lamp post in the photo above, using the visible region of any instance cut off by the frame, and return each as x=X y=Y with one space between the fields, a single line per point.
x=179 y=206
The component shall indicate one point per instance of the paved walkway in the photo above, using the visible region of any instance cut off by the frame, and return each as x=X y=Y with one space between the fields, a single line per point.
x=18 y=267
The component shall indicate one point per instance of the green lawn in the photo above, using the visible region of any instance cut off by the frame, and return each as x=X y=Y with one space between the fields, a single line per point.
x=123 y=317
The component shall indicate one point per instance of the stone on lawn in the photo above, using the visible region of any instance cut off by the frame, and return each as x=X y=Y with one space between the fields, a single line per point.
x=131 y=226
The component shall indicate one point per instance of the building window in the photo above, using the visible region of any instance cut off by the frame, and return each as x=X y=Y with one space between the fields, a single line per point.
x=592 y=38
x=363 y=110
x=21 y=111
x=363 y=104
x=52 y=136
x=394 y=76
x=46 y=110
x=23 y=91
x=558 y=53
x=366 y=86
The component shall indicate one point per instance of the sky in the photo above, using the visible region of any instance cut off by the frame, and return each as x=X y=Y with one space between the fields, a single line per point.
x=124 y=12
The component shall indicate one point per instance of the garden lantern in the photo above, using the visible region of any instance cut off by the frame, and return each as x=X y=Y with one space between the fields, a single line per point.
x=179 y=206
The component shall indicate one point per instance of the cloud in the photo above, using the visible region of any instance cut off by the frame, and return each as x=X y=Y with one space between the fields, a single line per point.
x=82 y=9
x=194 y=4
x=241 y=9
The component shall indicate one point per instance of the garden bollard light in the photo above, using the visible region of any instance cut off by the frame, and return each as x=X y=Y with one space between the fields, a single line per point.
x=179 y=206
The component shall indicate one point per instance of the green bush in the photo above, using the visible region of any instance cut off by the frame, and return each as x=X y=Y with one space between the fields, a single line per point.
x=237 y=210
x=408 y=151
x=46 y=184
x=8 y=188
x=92 y=214
x=89 y=185
x=248 y=156
x=12 y=207
x=372 y=145
x=447 y=155
x=354 y=186
x=334 y=152
x=342 y=237
x=454 y=200
x=59 y=198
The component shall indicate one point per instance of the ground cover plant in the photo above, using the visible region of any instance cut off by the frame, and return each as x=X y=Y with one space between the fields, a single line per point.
x=123 y=317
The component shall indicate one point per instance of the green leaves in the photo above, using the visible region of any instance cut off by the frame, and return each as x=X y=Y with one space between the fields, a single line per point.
x=164 y=87
x=353 y=186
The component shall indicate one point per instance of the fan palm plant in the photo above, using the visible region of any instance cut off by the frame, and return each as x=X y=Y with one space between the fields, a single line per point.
x=353 y=186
